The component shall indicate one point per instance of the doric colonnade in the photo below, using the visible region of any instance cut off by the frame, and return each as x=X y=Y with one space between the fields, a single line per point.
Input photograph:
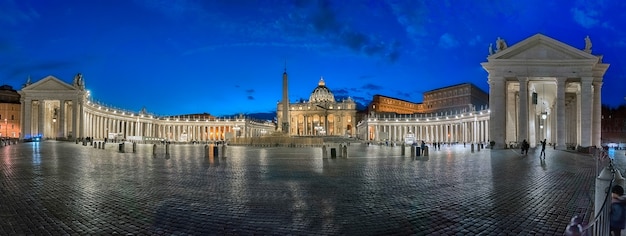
x=53 y=109
x=470 y=127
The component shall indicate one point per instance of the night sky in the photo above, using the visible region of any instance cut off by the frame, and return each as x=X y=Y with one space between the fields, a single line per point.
x=227 y=57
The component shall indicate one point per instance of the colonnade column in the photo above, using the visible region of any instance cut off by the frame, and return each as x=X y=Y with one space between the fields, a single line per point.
x=61 y=133
x=27 y=118
x=560 y=113
x=597 y=115
x=586 y=112
x=523 y=109
x=40 y=117
x=497 y=105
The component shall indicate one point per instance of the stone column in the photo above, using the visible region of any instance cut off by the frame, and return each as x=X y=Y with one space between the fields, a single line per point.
x=560 y=113
x=523 y=109
x=586 y=111
x=61 y=114
x=497 y=105
x=597 y=114
x=27 y=109
x=81 y=116
x=41 y=118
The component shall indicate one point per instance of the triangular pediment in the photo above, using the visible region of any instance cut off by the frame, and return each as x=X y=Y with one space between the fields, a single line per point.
x=49 y=83
x=541 y=47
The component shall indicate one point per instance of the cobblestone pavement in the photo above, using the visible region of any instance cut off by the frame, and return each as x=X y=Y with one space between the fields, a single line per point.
x=57 y=188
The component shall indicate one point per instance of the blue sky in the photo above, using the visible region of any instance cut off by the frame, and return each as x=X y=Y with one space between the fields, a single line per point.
x=227 y=56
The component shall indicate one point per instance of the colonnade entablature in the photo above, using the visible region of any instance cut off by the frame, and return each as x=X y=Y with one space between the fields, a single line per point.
x=459 y=127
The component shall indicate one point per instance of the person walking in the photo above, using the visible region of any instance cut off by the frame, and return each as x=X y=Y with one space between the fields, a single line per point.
x=618 y=210
x=525 y=147
x=543 y=149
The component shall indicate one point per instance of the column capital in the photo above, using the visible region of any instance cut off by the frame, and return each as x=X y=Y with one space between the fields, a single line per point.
x=522 y=79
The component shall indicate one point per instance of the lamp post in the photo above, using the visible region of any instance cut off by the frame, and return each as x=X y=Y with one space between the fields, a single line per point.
x=6 y=127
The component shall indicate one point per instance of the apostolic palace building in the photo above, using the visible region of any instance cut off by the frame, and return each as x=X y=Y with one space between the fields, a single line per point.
x=539 y=89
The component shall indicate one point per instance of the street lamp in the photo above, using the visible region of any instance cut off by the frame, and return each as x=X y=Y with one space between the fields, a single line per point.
x=6 y=127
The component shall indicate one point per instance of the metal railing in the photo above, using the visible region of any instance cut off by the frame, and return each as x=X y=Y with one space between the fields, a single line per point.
x=599 y=225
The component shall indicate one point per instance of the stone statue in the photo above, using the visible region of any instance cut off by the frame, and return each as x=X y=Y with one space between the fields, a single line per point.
x=490 y=49
x=27 y=82
x=78 y=81
x=588 y=44
x=500 y=44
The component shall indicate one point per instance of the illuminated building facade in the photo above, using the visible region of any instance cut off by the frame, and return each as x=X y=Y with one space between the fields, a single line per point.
x=321 y=115
x=9 y=112
x=539 y=89
x=51 y=108
x=460 y=97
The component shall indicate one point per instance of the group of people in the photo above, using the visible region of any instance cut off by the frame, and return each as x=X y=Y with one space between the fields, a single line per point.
x=525 y=146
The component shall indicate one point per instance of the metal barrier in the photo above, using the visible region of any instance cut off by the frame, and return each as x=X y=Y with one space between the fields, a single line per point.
x=599 y=225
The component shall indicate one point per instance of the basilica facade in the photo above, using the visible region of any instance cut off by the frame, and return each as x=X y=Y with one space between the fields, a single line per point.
x=321 y=115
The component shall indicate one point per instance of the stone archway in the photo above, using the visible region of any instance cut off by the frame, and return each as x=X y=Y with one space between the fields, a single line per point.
x=543 y=88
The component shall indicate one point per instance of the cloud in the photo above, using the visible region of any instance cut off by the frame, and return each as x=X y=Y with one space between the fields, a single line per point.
x=250 y=97
x=413 y=16
x=586 y=19
x=249 y=91
x=324 y=22
x=371 y=87
x=44 y=67
x=13 y=15
x=341 y=92
x=447 y=41
x=475 y=40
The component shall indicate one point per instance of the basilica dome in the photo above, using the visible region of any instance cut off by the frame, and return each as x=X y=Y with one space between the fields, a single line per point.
x=321 y=93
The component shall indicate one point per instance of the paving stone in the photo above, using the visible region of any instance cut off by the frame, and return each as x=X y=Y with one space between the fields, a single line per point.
x=60 y=188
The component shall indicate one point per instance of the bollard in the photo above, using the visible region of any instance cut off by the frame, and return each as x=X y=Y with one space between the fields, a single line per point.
x=154 y=149
x=403 y=147
x=95 y=145
x=167 y=149
x=333 y=153
x=324 y=153
x=103 y=143
x=340 y=150
x=121 y=147
x=426 y=151
x=216 y=152
x=472 y=147
x=419 y=151
x=76 y=141
x=206 y=150
x=134 y=147
x=413 y=151
x=478 y=147
x=344 y=153
x=223 y=151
